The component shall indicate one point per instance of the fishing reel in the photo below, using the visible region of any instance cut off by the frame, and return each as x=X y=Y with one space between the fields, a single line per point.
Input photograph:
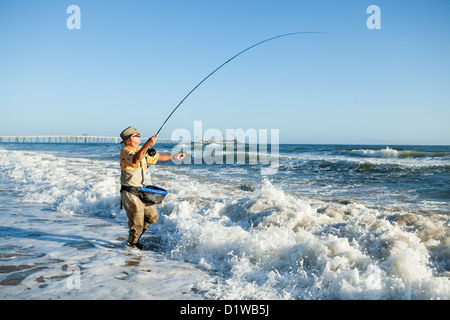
x=151 y=152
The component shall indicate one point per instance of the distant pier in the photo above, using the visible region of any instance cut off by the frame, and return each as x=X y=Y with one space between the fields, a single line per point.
x=96 y=139
x=69 y=139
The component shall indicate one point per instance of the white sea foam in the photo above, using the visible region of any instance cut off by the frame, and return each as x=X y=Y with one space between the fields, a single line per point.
x=263 y=243
x=377 y=157
x=383 y=153
x=271 y=245
x=67 y=218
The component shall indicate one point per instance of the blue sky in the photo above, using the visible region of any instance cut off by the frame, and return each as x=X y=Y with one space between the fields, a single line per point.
x=133 y=61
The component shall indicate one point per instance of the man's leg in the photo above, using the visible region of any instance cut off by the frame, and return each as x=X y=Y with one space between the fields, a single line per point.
x=135 y=212
x=151 y=216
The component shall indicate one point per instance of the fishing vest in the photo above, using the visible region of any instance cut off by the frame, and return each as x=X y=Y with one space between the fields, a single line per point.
x=135 y=175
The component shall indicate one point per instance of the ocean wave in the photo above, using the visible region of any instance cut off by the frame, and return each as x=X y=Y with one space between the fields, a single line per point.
x=393 y=153
x=270 y=244
x=346 y=165
x=361 y=163
x=342 y=159
x=64 y=184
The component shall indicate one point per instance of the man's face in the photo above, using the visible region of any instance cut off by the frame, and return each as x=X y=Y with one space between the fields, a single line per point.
x=136 y=138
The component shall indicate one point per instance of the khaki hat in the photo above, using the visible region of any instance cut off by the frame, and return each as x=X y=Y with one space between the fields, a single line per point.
x=127 y=133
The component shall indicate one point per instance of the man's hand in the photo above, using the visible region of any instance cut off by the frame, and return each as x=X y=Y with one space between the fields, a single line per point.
x=152 y=140
x=180 y=156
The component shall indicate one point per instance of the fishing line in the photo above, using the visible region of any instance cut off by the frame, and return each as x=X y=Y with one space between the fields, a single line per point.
x=235 y=56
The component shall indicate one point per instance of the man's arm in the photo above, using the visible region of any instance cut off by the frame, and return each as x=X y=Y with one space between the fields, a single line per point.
x=164 y=157
x=167 y=157
x=143 y=151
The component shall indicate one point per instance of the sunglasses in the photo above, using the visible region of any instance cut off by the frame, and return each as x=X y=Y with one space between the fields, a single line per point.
x=136 y=135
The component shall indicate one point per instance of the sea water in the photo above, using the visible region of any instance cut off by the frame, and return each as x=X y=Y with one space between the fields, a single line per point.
x=331 y=222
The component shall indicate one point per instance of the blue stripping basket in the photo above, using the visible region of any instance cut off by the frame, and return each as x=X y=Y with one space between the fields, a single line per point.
x=153 y=194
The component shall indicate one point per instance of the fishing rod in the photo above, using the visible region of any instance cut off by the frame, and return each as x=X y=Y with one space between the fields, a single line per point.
x=235 y=56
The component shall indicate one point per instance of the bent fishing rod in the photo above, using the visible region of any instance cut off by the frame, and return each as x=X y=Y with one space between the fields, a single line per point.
x=223 y=64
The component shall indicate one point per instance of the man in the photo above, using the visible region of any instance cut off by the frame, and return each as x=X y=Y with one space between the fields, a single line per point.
x=134 y=161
